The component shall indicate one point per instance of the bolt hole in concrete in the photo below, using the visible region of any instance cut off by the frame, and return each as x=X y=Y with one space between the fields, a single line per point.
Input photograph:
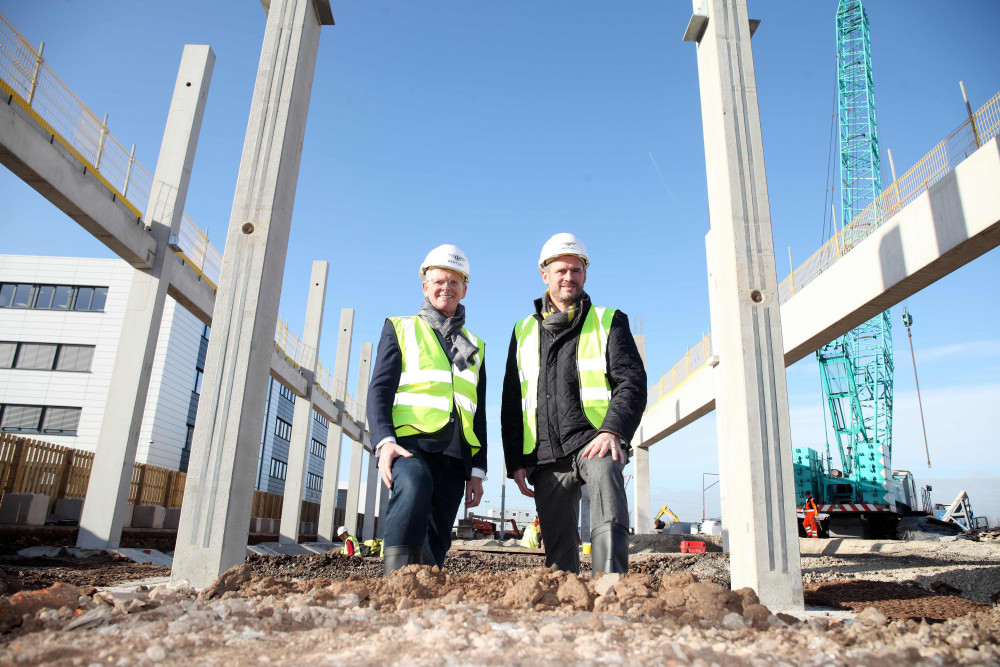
x=248 y=228
x=756 y=296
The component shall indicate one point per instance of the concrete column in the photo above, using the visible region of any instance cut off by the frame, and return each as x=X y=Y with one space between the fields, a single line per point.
x=212 y=535
x=371 y=490
x=331 y=471
x=357 y=448
x=640 y=466
x=104 y=507
x=755 y=453
x=298 y=447
x=383 y=504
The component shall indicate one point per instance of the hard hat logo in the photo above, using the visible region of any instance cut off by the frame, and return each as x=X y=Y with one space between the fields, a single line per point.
x=563 y=244
x=446 y=256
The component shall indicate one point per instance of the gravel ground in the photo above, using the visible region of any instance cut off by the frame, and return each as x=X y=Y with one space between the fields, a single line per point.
x=895 y=603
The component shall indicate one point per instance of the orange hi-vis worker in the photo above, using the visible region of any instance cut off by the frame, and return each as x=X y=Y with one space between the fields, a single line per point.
x=809 y=522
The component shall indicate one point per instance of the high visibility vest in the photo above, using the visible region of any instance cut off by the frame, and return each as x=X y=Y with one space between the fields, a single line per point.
x=591 y=363
x=430 y=387
x=350 y=547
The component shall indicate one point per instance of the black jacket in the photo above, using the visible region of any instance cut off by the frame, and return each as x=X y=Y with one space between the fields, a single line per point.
x=563 y=427
x=382 y=393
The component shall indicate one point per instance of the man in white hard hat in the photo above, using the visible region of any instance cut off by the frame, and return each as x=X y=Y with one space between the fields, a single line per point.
x=426 y=412
x=351 y=546
x=573 y=395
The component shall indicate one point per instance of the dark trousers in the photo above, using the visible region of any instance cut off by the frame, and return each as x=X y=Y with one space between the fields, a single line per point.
x=557 y=501
x=427 y=490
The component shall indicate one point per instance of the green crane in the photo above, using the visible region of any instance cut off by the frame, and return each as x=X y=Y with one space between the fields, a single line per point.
x=857 y=368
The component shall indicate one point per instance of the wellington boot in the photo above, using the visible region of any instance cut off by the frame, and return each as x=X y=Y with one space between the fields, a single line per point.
x=609 y=549
x=397 y=557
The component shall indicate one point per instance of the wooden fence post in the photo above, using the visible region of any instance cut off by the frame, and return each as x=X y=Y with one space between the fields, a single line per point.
x=59 y=489
x=17 y=469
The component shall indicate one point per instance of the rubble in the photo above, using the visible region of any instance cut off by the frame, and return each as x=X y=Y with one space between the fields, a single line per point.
x=485 y=607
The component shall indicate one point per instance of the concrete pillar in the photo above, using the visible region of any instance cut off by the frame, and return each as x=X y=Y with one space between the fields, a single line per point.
x=326 y=531
x=212 y=536
x=371 y=490
x=755 y=452
x=383 y=504
x=640 y=467
x=302 y=418
x=104 y=508
x=357 y=448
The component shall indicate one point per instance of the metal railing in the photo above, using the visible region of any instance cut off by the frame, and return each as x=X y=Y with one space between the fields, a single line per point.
x=692 y=361
x=303 y=355
x=982 y=127
x=198 y=252
x=39 y=91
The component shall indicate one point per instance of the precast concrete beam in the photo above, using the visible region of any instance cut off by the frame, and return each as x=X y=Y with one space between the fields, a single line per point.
x=189 y=290
x=212 y=535
x=30 y=152
x=287 y=373
x=755 y=449
x=105 y=504
x=955 y=221
x=357 y=446
x=327 y=528
x=298 y=446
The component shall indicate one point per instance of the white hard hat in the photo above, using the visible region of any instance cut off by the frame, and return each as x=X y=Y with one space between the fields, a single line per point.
x=446 y=256
x=563 y=244
x=341 y=530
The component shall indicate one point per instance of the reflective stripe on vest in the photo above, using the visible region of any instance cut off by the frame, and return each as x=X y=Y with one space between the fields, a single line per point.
x=429 y=386
x=591 y=363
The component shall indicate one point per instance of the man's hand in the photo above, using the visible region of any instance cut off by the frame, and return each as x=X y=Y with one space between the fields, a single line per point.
x=473 y=491
x=602 y=444
x=389 y=452
x=520 y=476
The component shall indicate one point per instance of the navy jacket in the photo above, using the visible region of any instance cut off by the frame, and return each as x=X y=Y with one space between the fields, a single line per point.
x=382 y=393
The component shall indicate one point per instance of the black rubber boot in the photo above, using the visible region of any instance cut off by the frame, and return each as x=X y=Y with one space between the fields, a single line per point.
x=609 y=549
x=396 y=557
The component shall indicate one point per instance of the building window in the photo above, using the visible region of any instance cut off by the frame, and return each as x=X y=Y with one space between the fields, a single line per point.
x=318 y=449
x=199 y=375
x=46 y=356
x=320 y=419
x=282 y=429
x=278 y=469
x=286 y=392
x=314 y=481
x=52 y=420
x=52 y=297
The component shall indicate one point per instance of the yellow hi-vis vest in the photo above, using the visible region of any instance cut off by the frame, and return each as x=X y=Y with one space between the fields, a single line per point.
x=430 y=386
x=595 y=391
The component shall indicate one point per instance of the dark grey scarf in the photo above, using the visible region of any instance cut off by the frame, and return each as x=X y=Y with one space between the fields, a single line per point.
x=459 y=349
x=554 y=321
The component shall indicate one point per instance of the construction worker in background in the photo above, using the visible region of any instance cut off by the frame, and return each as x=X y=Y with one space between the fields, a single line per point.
x=532 y=536
x=350 y=547
x=426 y=412
x=573 y=394
x=809 y=520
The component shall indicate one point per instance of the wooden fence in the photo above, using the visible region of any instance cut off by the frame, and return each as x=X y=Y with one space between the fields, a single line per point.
x=32 y=466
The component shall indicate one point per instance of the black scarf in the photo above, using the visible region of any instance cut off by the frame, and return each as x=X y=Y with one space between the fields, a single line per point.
x=556 y=322
x=460 y=350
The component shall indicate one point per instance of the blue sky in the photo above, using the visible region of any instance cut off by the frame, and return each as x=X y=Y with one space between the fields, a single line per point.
x=493 y=124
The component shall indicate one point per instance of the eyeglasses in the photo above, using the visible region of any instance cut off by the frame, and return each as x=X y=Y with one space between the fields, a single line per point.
x=454 y=284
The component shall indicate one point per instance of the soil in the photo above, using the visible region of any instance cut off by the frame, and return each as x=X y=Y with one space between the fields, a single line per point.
x=895 y=603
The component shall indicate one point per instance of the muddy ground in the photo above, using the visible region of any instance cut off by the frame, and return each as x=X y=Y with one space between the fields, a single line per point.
x=895 y=603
